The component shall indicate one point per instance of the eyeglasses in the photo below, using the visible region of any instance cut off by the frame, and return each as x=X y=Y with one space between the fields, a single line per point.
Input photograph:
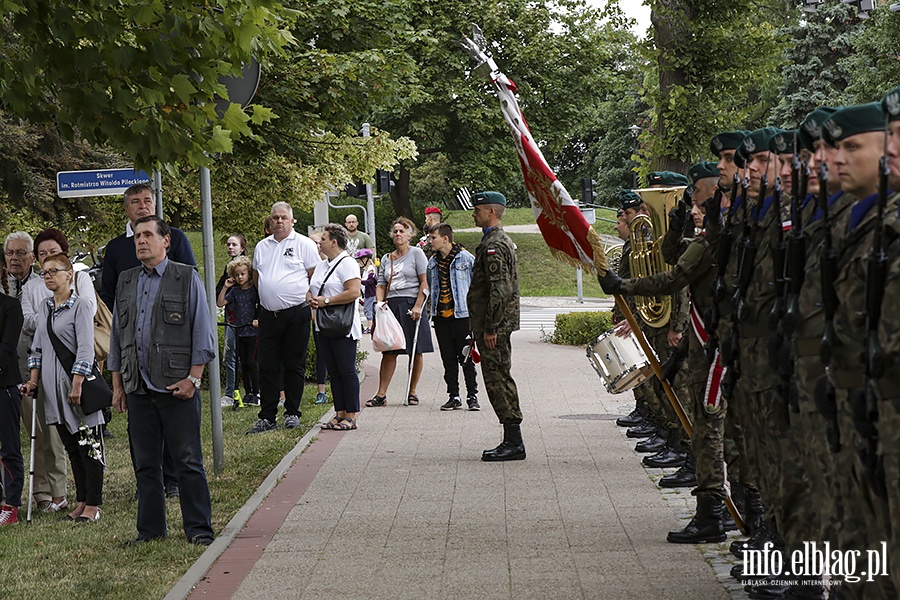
x=51 y=272
x=19 y=253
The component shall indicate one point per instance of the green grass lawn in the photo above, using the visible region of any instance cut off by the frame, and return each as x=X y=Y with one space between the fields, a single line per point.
x=57 y=559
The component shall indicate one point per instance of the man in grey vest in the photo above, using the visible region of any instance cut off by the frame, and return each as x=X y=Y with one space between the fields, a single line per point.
x=161 y=340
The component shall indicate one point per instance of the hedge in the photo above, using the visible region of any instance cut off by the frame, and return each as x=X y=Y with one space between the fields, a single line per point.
x=580 y=328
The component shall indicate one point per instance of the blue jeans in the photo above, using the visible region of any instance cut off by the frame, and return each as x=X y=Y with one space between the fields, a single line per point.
x=230 y=361
x=152 y=418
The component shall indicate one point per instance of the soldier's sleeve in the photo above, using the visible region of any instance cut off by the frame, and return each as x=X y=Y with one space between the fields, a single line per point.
x=681 y=306
x=498 y=263
x=690 y=266
x=671 y=246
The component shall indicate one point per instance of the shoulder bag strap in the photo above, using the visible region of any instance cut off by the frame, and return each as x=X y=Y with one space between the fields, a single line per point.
x=329 y=274
x=65 y=356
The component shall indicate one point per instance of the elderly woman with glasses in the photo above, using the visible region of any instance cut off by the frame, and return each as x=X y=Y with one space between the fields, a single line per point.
x=69 y=318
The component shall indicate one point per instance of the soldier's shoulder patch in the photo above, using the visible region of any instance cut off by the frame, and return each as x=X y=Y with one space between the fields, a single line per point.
x=491 y=251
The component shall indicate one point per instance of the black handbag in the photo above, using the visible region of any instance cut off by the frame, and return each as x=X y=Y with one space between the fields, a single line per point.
x=95 y=392
x=337 y=320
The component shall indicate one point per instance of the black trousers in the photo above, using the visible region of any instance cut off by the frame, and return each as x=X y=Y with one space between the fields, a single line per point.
x=451 y=336
x=246 y=353
x=283 y=342
x=87 y=471
x=339 y=355
x=13 y=475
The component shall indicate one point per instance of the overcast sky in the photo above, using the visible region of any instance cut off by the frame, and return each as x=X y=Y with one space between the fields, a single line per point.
x=634 y=9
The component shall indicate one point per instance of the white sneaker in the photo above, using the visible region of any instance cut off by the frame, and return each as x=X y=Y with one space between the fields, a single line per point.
x=227 y=401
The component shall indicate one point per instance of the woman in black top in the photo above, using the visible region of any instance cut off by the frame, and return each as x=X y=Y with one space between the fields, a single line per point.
x=11 y=463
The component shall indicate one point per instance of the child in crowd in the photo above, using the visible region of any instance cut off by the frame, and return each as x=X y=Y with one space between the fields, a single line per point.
x=369 y=281
x=235 y=245
x=241 y=302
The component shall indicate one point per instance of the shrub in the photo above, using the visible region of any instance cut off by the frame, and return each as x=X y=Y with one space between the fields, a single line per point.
x=580 y=328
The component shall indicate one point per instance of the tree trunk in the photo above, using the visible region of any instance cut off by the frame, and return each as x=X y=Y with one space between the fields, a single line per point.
x=672 y=20
x=400 y=194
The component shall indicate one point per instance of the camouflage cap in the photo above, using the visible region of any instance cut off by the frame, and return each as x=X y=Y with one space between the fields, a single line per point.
x=891 y=104
x=811 y=128
x=488 y=198
x=629 y=199
x=853 y=120
x=669 y=178
x=783 y=142
x=702 y=170
x=726 y=140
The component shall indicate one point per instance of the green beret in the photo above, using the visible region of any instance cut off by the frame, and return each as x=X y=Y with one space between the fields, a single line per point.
x=811 y=127
x=702 y=170
x=754 y=142
x=783 y=142
x=629 y=199
x=488 y=198
x=853 y=120
x=891 y=104
x=669 y=178
x=727 y=140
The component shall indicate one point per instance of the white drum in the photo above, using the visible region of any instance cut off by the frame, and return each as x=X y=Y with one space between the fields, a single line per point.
x=620 y=362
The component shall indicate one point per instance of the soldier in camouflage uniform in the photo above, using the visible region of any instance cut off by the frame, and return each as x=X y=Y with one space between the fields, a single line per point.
x=694 y=269
x=887 y=388
x=493 y=301
x=857 y=134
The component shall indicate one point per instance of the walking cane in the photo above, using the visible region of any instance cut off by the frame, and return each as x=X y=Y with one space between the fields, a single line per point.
x=31 y=458
x=412 y=355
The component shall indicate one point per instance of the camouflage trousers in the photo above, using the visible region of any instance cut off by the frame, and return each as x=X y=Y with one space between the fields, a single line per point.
x=707 y=441
x=889 y=436
x=656 y=396
x=501 y=388
x=866 y=520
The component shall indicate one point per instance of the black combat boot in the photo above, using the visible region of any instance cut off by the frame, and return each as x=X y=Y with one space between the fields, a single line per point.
x=705 y=527
x=673 y=455
x=655 y=443
x=754 y=520
x=511 y=448
x=644 y=430
x=685 y=476
x=635 y=417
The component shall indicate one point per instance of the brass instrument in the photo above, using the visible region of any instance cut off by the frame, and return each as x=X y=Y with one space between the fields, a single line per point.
x=646 y=259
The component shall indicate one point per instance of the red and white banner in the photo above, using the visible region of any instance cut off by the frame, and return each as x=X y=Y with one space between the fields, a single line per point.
x=567 y=233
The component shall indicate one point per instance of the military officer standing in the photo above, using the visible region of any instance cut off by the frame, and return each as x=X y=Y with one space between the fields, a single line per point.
x=493 y=301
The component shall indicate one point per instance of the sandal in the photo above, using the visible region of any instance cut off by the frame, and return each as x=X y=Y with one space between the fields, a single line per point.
x=377 y=401
x=332 y=424
x=346 y=425
x=413 y=400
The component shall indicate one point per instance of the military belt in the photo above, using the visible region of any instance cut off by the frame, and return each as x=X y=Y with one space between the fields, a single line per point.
x=848 y=380
x=755 y=330
x=807 y=347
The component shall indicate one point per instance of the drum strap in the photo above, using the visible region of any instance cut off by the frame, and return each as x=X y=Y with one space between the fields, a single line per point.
x=712 y=397
x=698 y=325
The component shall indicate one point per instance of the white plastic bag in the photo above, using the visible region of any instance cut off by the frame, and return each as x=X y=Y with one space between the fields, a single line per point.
x=388 y=333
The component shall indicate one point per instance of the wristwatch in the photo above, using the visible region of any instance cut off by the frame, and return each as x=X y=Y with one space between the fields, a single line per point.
x=327 y=300
x=194 y=380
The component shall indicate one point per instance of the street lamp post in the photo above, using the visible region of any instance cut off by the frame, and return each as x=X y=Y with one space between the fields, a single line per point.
x=635 y=133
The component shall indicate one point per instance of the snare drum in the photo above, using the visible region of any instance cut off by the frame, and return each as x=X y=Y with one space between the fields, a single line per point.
x=620 y=362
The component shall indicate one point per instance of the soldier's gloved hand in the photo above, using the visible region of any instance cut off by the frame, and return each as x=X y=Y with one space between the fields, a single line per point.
x=611 y=283
x=713 y=208
x=678 y=215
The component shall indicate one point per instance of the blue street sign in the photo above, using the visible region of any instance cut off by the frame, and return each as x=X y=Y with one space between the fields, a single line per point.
x=104 y=182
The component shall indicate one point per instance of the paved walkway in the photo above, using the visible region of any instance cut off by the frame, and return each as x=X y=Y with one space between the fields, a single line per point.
x=407 y=509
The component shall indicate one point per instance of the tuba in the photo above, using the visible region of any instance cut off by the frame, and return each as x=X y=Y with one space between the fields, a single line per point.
x=647 y=231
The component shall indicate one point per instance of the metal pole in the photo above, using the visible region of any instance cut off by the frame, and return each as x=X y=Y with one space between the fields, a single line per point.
x=578 y=285
x=157 y=190
x=209 y=276
x=370 y=202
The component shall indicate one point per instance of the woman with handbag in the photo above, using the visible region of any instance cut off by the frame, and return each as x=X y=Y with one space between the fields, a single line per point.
x=403 y=285
x=333 y=293
x=66 y=331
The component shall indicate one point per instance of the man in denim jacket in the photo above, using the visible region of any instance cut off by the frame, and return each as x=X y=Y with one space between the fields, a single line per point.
x=449 y=275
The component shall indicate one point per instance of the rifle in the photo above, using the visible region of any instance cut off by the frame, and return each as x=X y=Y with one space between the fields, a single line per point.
x=726 y=239
x=824 y=394
x=876 y=274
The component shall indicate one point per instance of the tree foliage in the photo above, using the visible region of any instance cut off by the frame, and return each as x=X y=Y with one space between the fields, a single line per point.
x=875 y=63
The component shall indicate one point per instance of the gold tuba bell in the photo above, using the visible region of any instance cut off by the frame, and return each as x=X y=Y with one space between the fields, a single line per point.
x=647 y=231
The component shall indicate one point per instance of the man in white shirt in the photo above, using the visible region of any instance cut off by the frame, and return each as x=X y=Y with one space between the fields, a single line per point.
x=283 y=264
